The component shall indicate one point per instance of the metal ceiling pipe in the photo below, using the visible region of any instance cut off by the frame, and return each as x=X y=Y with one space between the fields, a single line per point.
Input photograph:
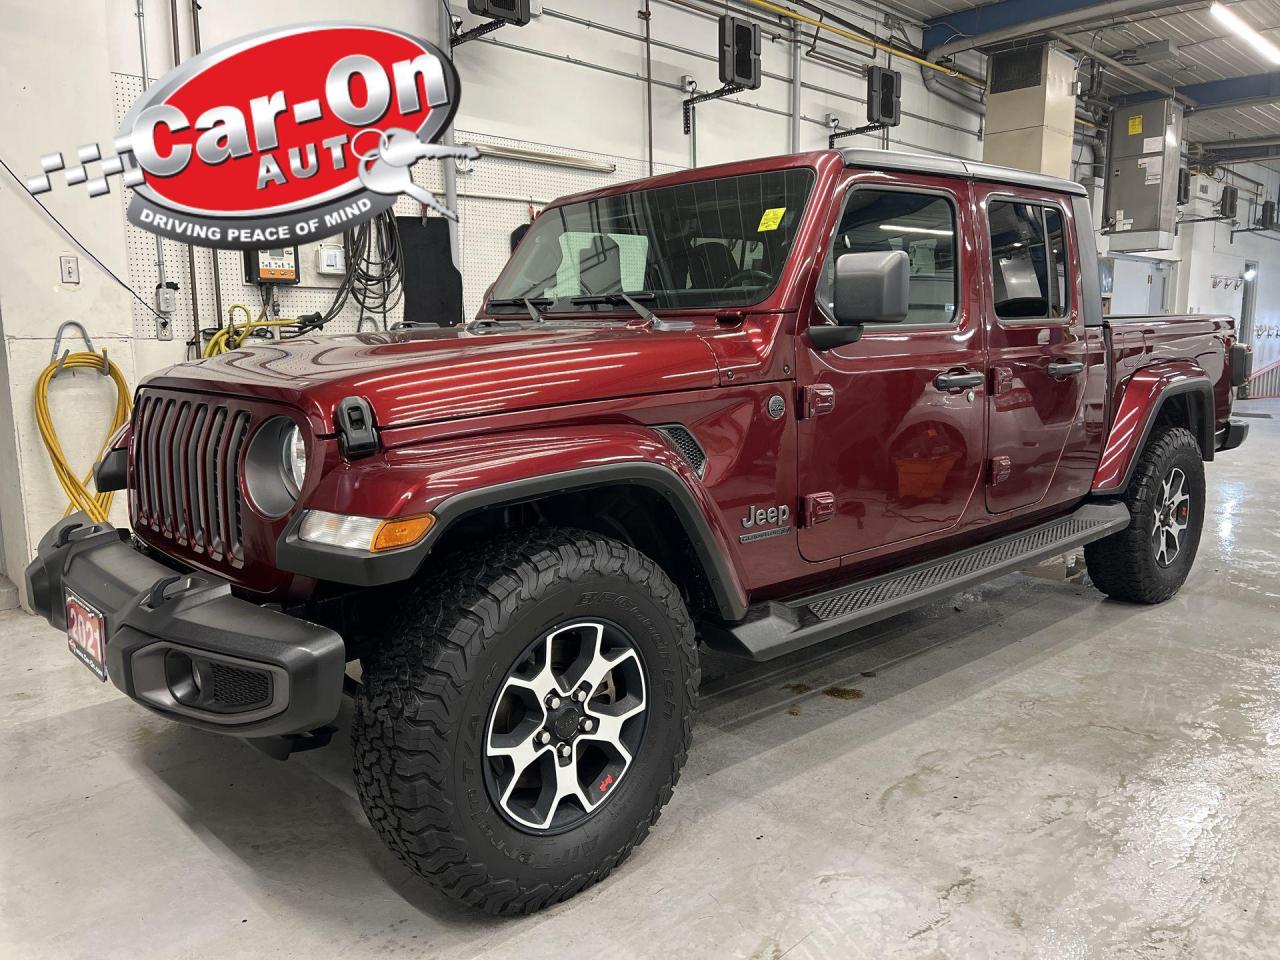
x=857 y=37
x=794 y=131
x=1234 y=105
x=1122 y=68
x=450 y=167
x=1243 y=144
x=165 y=324
x=1044 y=25
x=213 y=254
x=191 y=250
x=1262 y=158
x=933 y=83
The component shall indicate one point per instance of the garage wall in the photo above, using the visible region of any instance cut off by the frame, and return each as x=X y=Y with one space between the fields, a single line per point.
x=1212 y=252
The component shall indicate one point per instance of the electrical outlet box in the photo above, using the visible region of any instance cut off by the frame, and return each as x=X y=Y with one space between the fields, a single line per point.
x=166 y=298
x=70 y=268
x=273 y=265
x=331 y=260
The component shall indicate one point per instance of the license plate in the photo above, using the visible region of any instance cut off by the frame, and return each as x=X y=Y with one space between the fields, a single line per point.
x=87 y=635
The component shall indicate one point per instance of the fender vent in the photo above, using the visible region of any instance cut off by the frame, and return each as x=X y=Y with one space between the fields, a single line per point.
x=686 y=446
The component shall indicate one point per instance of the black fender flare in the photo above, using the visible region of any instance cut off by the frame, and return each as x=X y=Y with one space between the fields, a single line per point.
x=335 y=564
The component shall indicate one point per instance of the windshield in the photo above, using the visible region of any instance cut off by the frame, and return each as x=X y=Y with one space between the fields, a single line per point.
x=714 y=243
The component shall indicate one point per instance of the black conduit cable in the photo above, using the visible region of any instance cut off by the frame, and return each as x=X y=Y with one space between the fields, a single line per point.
x=374 y=276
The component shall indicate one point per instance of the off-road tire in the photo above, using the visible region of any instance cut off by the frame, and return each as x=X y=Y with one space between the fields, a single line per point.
x=422 y=712
x=1123 y=565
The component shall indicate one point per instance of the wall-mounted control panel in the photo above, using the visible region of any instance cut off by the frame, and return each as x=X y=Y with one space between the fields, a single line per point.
x=273 y=265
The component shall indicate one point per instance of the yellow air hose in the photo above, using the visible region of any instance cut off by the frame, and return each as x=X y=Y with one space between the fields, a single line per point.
x=233 y=335
x=96 y=505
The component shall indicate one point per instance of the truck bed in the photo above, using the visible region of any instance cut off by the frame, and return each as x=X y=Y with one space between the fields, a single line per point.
x=1138 y=340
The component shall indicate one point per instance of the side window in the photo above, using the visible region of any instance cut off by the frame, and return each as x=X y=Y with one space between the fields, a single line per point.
x=923 y=225
x=1028 y=260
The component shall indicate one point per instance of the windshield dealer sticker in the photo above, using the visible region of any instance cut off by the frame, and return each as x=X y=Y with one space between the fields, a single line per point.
x=289 y=135
x=771 y=218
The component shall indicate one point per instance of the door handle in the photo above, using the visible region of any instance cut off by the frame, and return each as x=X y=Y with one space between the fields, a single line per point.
x=959 y=380
x=1061 y=369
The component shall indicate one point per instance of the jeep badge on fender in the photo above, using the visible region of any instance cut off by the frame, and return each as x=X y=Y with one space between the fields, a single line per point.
x=759 y=516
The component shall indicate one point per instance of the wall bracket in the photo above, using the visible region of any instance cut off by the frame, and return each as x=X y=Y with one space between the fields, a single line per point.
x=689 y=119
x=476 y=32
x=841 y=134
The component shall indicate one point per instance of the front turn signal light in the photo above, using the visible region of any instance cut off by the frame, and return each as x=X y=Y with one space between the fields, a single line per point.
x=393 y=534
x=371 y=534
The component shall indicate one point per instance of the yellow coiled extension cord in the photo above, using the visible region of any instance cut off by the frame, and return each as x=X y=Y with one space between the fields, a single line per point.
x=233 y=335
x=80 y=494
x=96 y=505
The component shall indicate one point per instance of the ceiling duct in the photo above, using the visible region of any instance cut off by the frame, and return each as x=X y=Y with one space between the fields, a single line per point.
x=1156 y=52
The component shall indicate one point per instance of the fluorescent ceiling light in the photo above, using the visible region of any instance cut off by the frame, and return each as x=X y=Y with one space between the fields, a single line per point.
x=903 y=228
x=1237 y=26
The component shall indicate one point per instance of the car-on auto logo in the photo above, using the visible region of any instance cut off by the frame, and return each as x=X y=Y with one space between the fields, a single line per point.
x=292 y=134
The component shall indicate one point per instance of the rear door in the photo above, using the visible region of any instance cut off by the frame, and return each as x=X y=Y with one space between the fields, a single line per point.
x=1035 y=341
x=894 y=451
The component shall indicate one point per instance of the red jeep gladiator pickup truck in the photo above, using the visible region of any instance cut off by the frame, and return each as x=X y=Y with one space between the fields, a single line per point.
x=751 y=406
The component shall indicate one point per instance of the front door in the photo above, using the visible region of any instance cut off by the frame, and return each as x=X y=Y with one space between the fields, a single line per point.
x=1035 y=342
x=892 y=428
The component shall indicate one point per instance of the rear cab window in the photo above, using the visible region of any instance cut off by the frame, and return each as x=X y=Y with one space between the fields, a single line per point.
x=1028 y=260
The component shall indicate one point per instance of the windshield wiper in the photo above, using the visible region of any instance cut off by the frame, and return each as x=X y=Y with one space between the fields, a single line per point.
x=633 y=301
x=531 y=304
x=615 y=298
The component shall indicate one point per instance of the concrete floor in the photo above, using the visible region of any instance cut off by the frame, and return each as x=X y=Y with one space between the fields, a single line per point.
x=1025 y=771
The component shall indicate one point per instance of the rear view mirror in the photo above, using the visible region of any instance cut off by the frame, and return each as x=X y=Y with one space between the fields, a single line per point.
x=869 y=288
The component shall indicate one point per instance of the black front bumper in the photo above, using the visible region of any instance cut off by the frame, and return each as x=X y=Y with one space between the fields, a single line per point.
x=181 y=645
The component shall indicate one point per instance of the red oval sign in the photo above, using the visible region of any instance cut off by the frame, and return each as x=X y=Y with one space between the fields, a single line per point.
x=260 y=139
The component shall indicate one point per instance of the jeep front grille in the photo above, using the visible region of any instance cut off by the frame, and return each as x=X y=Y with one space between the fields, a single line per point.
x=186 y=457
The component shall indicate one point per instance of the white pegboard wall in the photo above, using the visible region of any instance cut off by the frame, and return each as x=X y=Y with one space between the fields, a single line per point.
x=494 y=196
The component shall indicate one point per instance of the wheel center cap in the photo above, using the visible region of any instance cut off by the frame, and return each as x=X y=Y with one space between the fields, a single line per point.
x=565 y=725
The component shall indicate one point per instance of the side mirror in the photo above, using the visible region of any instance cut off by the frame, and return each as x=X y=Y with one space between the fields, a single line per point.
x=870 y=287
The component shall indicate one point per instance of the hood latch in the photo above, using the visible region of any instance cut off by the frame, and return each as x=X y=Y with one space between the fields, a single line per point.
x=357 y=433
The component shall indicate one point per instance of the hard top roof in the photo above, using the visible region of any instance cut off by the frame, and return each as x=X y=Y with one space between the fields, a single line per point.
x=954 y=167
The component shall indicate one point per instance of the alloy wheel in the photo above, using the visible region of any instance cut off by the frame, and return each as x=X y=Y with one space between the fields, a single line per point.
x=1172 y=515
x=565 y=726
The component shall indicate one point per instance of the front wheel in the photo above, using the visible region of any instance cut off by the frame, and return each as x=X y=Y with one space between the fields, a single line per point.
x=525 y=722
x=1148 y=561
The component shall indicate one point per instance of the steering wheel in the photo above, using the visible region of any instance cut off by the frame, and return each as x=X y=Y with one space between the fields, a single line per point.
x=736 y=280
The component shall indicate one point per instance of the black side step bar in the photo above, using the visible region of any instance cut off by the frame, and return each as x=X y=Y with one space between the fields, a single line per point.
x=776 y=628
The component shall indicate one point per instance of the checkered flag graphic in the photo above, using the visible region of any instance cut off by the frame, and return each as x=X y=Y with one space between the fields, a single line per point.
x=122 y=164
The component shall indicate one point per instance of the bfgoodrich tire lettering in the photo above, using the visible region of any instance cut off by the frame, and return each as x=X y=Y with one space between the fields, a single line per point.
x=1130 y=565
x=422 y=717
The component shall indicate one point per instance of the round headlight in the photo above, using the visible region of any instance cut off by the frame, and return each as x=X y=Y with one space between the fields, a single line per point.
x=293 y=466
x=275 y=466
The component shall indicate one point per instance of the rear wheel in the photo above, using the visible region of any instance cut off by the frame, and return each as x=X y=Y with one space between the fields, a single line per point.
x=1149 y=560
x=525 y=721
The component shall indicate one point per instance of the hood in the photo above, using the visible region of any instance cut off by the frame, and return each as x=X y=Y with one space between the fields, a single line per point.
x=423 y=375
